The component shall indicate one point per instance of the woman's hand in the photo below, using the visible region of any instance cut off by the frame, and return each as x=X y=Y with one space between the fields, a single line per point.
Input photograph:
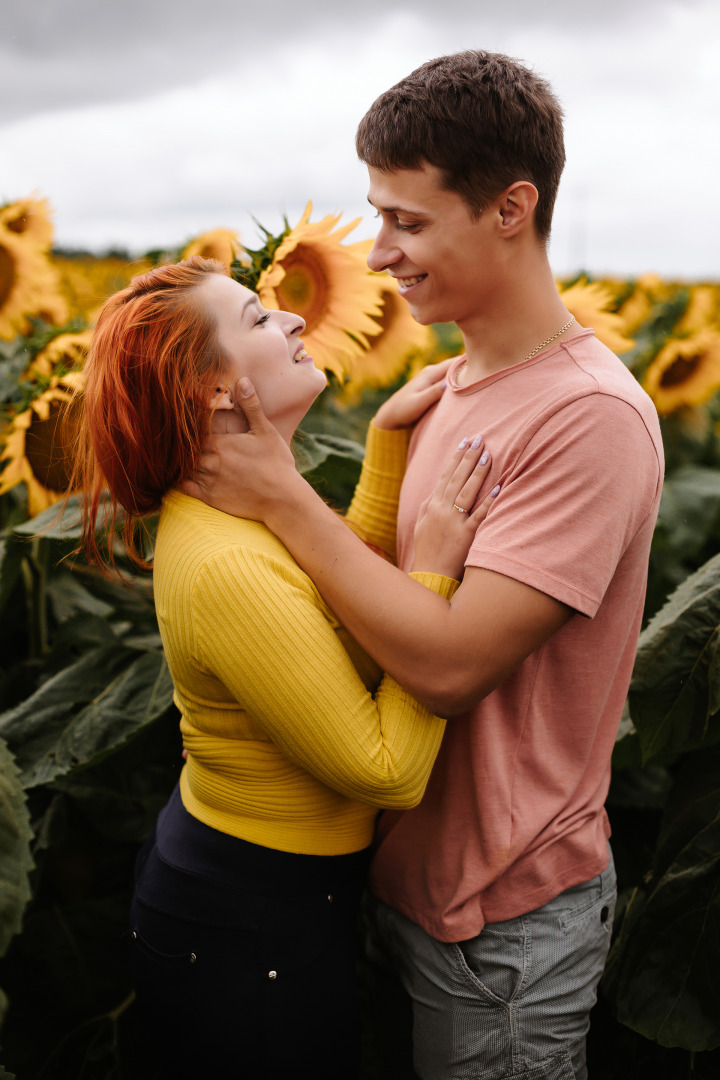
x=412 y=400
x=449 y=519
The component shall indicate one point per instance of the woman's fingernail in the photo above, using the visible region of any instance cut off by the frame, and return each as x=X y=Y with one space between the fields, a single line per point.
x=463 y=444
x=443 y=385
x=495 y=492
x=246 y=387
x=483 y=457
x=477 y=441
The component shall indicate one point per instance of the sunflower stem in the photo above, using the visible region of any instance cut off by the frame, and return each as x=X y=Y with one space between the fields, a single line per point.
x=35 y=574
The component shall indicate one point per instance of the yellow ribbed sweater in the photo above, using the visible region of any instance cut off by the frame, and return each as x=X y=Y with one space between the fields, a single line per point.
x=292 y=744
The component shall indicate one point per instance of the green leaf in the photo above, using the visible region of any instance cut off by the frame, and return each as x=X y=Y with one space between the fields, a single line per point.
x=69 y=597
x=14 y=358
x=663 y=967
x=15 y=858
x=331 y=464
x=676 y=684
x=87 y=712
x=690 y=508
x=626 y=752
x=58 y=522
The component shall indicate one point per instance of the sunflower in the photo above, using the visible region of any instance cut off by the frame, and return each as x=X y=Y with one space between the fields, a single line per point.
x=86 y=282
x=66 y=351
x=39 y=444
x=399 y=341
x=221 y=244
x=329 y=285
x=590 y=302
x=686 y=371
x=30 y=219
x=702 y=312
x=29 y=286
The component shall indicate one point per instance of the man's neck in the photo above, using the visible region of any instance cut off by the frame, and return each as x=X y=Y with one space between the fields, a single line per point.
x=525 y=312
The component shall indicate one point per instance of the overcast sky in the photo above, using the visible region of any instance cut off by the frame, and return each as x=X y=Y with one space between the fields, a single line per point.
x=147 y=121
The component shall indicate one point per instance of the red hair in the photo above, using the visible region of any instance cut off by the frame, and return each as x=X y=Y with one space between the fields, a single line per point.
x=154 y=357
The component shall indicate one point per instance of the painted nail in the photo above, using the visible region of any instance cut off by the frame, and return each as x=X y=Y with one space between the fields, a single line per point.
x=483 y=457
x=443 y=385
x=463 y=444
x=495 y=492
x=476 y=442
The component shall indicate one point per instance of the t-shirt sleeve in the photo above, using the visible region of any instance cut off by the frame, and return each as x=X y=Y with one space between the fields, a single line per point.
x=262 y=629
x=373 y=510
x=572 y=502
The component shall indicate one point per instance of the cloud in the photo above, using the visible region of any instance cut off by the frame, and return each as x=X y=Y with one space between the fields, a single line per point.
x=57 y=54
x=260 y=129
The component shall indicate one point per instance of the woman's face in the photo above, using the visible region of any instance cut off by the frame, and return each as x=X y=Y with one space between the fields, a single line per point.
x=265 y=347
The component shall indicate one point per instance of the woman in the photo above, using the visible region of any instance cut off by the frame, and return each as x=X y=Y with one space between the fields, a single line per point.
x=243 y=916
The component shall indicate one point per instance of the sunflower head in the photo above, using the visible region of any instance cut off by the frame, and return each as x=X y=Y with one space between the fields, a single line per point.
x=329 y=285
x=221 y=244
x=40 y=444
x=399 y=341
x=29 y=286
x=62 y=354
x=30 y=219
x=686 y=372
x=591 y=303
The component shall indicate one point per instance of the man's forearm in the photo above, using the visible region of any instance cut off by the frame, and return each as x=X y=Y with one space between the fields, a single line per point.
x=403 y=625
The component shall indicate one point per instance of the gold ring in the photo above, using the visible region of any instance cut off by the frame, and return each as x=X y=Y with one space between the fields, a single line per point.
x=456 y=507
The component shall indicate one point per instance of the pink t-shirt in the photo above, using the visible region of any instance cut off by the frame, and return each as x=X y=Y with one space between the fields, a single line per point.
x=514 y=811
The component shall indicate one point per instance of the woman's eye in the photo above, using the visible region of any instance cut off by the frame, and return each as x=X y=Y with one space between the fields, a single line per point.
x=263 y=319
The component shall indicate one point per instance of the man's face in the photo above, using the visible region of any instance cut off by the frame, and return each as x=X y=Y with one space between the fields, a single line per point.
x=447 y=263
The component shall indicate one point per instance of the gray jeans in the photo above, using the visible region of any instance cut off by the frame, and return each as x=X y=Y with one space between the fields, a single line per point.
x=512 y=1002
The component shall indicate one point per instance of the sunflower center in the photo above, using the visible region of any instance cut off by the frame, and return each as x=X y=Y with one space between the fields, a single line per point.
x=304 y=289
x=7 y=274
x=18 y=224
x=49 y=445
x=680 y=371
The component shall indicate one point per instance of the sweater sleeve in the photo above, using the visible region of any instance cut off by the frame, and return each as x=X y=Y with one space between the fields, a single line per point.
x=373 y=510
x=262 y=629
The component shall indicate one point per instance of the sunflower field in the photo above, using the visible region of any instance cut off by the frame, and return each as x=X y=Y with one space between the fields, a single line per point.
x=89 y=741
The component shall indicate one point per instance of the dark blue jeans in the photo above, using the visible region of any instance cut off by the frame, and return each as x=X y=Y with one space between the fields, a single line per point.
x=244 y=957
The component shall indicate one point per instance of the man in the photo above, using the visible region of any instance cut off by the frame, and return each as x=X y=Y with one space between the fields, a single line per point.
x=493 y=898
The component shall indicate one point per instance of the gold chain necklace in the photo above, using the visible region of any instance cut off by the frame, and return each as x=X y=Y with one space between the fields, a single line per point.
x=547 y=341
x=537 y=349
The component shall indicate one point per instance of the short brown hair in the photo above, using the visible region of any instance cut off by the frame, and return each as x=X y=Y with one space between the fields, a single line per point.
x=482 y=118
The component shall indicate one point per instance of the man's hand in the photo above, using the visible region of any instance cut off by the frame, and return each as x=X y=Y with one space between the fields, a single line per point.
x=412 y=400
x=243 y=474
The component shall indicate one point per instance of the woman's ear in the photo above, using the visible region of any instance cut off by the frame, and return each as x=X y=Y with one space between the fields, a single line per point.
x=221 y=397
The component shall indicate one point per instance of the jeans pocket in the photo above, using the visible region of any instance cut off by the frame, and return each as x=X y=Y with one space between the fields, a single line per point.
x=498 y=959
x=178 y=963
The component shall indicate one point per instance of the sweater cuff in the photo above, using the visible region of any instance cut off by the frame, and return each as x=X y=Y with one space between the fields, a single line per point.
x=386 y=451
x=443 y=586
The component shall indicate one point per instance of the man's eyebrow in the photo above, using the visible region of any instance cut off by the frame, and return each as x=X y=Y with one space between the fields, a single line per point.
x=396 y=209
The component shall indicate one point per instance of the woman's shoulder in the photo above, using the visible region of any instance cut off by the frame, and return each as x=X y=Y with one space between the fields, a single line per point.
x=193 y=538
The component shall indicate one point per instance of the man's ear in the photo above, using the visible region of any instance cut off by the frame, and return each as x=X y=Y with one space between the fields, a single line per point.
x=517 y=206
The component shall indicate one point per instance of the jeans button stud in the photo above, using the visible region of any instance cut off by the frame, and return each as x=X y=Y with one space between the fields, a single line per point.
x=604 y=912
